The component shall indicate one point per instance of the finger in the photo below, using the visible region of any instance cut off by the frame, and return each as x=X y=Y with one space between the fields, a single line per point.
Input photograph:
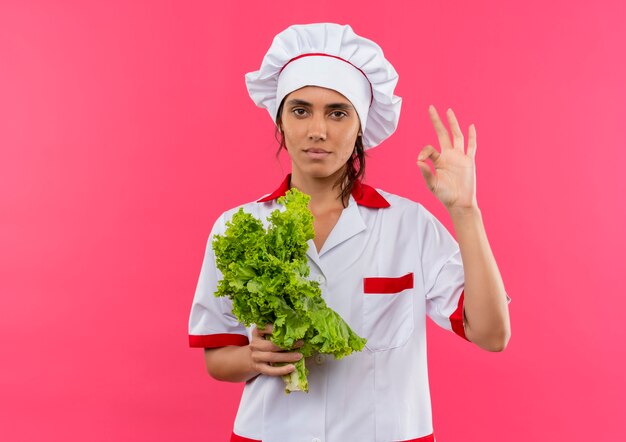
x=471 y=142
x=275 y=357
x=261 y=344
x=274 y=371
x=429 y=177
x=457 y=135
x=267 y=330
x=442 y=132
x=298 y=344
x=428 y=152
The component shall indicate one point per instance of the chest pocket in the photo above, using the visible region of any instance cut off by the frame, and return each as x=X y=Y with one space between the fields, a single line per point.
x=387 y=311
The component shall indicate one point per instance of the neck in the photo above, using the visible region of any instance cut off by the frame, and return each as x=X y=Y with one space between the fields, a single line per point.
x=323 y=194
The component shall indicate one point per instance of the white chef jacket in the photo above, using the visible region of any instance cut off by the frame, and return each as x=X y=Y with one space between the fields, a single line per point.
x=386 y=264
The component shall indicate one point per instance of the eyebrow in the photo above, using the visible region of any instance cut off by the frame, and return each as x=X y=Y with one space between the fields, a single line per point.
x=340 y=106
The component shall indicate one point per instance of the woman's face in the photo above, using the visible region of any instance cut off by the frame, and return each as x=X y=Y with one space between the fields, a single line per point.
x=320 y=127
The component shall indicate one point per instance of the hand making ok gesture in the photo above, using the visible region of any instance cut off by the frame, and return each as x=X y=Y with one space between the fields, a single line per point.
x=454 y=179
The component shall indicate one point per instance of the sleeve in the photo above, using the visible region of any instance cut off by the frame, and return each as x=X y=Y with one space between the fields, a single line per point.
x=211 y=321
x=444 y=279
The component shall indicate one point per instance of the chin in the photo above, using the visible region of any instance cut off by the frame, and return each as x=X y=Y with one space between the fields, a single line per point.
x=320 y=172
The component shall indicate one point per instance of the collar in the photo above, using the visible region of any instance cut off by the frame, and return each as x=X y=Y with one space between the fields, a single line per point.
x=363 y=194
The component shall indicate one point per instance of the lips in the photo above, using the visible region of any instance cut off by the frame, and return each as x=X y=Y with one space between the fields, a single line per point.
x=315 y=153
x=315 y=150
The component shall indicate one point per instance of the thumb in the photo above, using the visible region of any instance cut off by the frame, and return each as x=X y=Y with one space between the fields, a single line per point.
x=428 y=152
x=429 y=176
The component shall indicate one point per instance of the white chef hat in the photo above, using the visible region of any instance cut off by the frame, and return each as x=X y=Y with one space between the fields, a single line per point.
x=331 y=56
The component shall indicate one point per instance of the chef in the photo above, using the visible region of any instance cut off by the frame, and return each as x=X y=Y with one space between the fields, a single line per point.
x=382 y=261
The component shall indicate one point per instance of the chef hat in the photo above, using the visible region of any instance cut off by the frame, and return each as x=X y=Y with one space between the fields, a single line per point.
x=331 y=56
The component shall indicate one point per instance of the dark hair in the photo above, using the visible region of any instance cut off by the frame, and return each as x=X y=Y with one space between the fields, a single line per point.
x=355 y=166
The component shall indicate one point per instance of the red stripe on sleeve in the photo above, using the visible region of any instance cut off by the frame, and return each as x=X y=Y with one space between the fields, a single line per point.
x=235 y=438
x=217 y=340
x=388 y=285
x=429 y=438
x=456 y=319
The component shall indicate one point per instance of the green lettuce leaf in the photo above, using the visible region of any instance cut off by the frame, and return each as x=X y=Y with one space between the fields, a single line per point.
x=265 y=275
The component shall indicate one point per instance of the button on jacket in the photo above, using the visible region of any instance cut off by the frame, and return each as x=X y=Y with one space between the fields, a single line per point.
x=386 y=265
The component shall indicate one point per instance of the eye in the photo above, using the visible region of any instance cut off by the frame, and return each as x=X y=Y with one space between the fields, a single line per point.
x=299 y=112
x=338 y=114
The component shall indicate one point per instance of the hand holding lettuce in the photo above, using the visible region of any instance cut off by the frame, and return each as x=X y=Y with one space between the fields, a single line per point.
x=265 y=277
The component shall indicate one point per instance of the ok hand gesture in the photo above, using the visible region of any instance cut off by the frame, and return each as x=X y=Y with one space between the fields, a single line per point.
x=454 y=179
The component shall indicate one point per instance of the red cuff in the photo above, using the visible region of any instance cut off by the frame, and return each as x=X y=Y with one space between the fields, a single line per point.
x=217 y=340
x=429 y=438
x=235 y=438
x=456 y=319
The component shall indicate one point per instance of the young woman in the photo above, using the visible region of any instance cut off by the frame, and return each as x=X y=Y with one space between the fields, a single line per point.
x=383 y=262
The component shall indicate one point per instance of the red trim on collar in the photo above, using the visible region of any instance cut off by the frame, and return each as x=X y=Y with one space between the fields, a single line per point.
x=281 y=191
x=367 y=196
x=363 y=194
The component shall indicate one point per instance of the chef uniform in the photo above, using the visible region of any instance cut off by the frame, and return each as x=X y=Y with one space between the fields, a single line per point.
x=385 y=266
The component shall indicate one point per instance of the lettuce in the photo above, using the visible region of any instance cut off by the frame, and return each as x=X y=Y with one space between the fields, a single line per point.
x=265 y=275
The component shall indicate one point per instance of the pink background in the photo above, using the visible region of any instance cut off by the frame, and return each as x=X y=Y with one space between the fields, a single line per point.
x=126 y=129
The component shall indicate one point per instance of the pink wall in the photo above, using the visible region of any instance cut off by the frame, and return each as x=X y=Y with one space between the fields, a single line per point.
x=125 y=129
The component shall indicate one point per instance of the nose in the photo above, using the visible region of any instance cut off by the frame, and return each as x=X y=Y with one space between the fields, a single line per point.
x=317 y=128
